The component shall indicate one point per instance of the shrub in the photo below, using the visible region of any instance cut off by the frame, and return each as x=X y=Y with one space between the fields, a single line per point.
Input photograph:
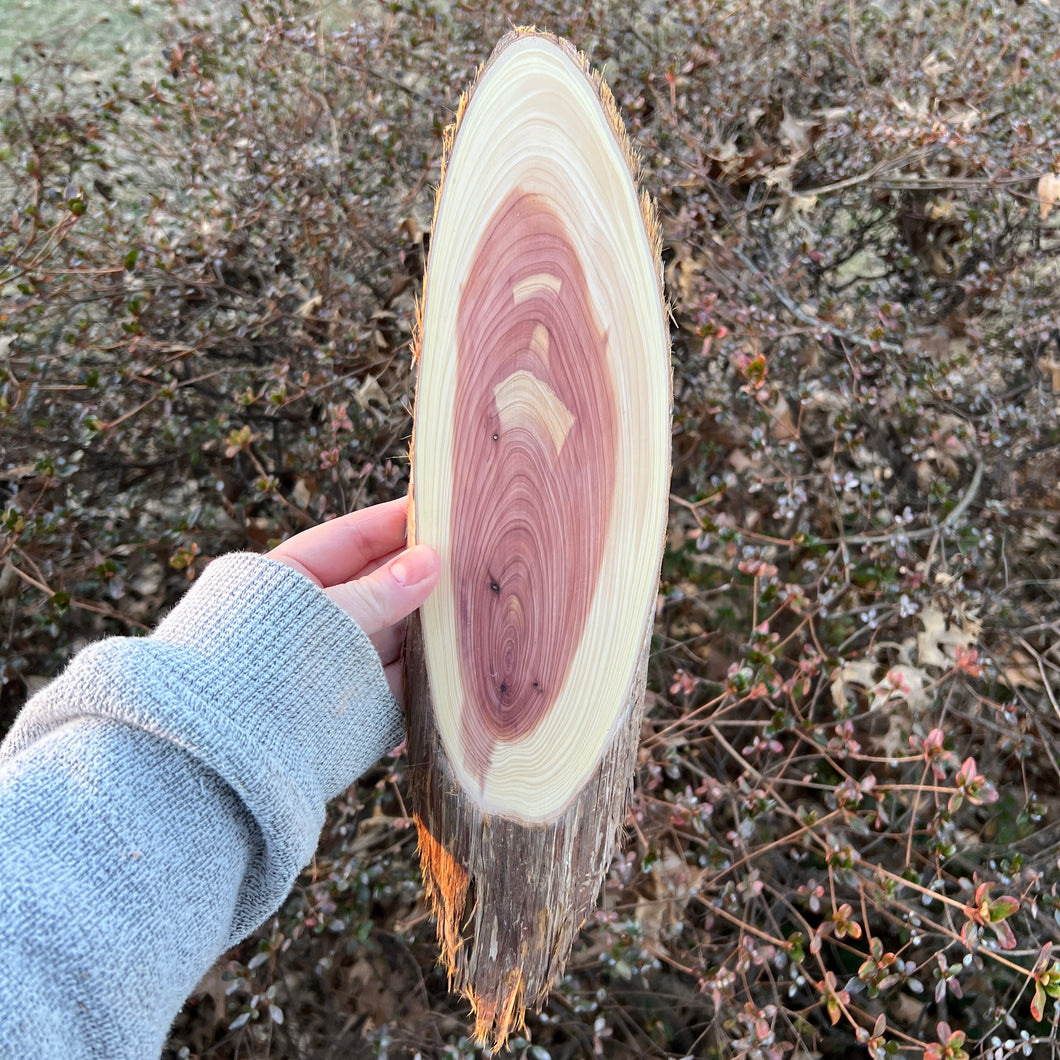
x=209 y=278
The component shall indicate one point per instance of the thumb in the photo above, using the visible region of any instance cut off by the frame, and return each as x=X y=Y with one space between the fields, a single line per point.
x=391 y=592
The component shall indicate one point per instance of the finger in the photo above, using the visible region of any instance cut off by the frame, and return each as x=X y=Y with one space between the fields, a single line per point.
x=379 y=561
x=391 y=592
x=396 y=679
x=389 y=642
x=336 y=551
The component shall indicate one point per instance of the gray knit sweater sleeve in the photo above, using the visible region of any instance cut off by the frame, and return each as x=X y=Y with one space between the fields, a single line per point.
x=159 y=797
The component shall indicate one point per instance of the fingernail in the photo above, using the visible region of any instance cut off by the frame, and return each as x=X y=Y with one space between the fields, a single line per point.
x=400 y=570
x=415 y=565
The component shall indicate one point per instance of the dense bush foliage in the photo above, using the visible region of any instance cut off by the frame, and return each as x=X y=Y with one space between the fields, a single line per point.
x=843 y=837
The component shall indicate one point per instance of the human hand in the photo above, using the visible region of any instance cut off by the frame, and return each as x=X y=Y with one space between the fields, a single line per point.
x=361 y=562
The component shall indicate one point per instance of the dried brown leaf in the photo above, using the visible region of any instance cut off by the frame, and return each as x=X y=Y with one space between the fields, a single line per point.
x=938 y=635
x=1048 y=193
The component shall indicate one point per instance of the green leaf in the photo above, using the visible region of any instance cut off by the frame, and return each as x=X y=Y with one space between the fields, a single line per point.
x=1003 y=907
x=1038 y=1002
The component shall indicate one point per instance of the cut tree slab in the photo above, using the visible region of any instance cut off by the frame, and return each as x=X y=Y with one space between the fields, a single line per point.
x=540 y=465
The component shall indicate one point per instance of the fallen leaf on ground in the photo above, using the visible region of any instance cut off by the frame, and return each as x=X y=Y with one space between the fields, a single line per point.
x=937 y=635
x=1048 y=193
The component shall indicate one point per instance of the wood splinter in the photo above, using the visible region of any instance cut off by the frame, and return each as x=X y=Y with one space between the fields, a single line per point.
x=540 y=468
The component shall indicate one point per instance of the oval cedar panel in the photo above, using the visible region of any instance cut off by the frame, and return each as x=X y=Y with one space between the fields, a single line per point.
x=541 y=472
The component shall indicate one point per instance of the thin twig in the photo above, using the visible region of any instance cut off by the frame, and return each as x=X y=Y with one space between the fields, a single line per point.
x=808 y=318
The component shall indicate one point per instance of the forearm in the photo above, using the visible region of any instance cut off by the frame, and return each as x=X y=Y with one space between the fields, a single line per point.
x=117 y=897
x=158 y=799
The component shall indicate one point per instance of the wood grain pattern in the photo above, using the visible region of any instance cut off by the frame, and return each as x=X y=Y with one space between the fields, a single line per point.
x=540 y=474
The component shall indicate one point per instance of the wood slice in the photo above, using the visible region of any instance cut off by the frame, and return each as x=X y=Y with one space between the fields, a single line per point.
x=540 y=467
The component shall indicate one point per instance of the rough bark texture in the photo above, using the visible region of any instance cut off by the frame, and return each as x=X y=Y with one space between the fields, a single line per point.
x=509 y=896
